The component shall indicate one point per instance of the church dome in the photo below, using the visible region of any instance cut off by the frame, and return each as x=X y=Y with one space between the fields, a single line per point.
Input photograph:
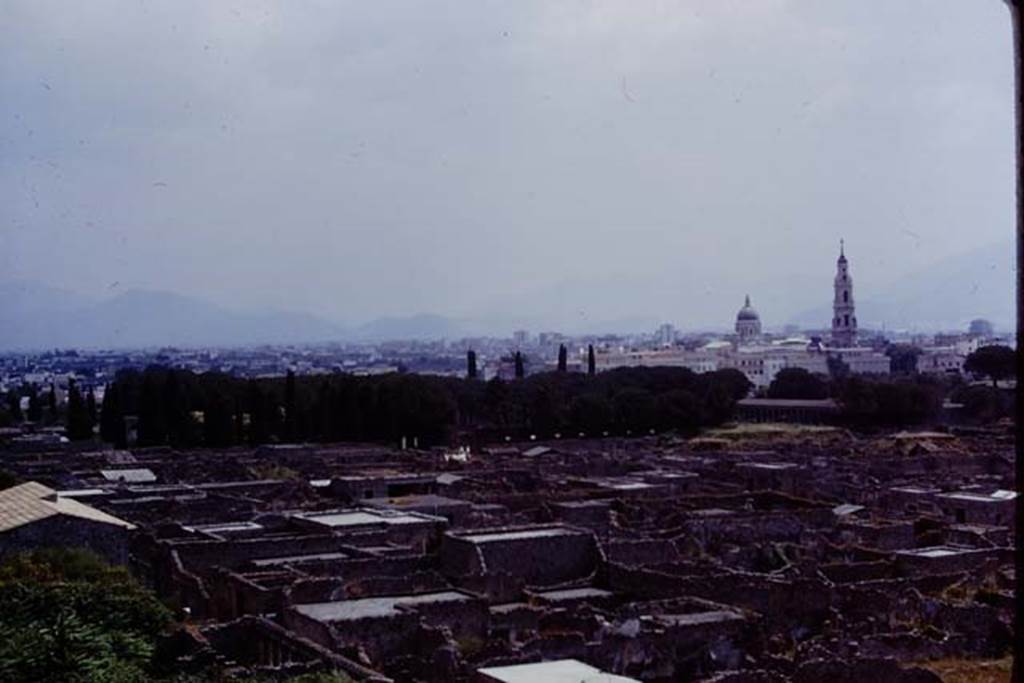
x=747 y=312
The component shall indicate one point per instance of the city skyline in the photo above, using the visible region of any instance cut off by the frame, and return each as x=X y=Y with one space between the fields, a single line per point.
x=40 y=317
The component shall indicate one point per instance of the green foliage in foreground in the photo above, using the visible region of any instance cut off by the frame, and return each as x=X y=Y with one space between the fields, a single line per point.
x=67 y=616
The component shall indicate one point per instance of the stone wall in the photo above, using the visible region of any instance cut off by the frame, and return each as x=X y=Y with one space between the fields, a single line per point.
x=541 y=560
x=106 y=540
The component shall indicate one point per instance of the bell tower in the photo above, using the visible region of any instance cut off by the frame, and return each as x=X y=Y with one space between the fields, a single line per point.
x=844 y=318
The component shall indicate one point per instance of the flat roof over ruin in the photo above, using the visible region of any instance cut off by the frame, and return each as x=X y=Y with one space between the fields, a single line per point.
x=624 y=485
x=996 y=497
x=554 y=671
x=711 y=512
x=297 y=559
x=369 y=608
x=139 y=475
x=354 y=518
x=937 y=551
x=337 y=519
x=698 y=618
x=575 y=594
x=517 y=534
x=226 y=527
x=917 y=490
x=414 y=500
x=582 y=504
x=83 y=493
x=769 y=465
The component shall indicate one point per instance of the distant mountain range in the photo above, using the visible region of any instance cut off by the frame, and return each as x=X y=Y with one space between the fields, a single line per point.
x=947 y=295
x=38 y=316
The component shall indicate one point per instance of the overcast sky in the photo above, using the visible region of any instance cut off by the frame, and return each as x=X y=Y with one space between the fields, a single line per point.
x=500 y=159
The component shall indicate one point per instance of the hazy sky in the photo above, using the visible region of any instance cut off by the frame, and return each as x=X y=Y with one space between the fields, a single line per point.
x=471 y=158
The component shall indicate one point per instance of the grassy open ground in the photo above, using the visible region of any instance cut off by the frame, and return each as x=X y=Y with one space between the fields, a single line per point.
x=745 y=429
x=971 y=670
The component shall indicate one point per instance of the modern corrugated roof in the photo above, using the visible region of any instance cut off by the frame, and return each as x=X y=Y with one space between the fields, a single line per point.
x=32 y=502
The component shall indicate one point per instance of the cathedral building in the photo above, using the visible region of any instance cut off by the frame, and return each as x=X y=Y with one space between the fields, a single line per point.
x=748 y=323
x=844 y=317
x=760 y=357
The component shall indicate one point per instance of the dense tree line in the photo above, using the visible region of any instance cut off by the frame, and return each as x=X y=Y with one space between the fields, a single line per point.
x=906 y=396
x=181 y=408
x=867 y=401
x=42 y=405
x=984 y=403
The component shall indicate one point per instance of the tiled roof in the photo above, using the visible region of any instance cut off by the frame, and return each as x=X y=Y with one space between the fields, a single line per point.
x=32 y=502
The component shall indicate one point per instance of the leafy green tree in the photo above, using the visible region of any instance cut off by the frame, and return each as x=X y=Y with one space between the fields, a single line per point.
x=995 y=362
x=35 y=406
x=591 y=360
x=259 y=432
x=79 y=425
x=90 y=406
x=715 y=404
x=14 y=406
x=471 y=364
x=679 y=410
x=176 y=410
x=321 y=677
x=983 y=403
x=797 y=383
x=51 y=402
x=591 y=413
x=239 y=423
x=273 y=414
x=857 y=400
x=520 y=370
x=152 y=424
x=635 y=410
x=501 y=405
x=546 y=404
x=111 y=416
x=903 y=358
x=563 y=358
x=732 y=380
x=290 y=409
x=218 y=423
x=870 y=403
